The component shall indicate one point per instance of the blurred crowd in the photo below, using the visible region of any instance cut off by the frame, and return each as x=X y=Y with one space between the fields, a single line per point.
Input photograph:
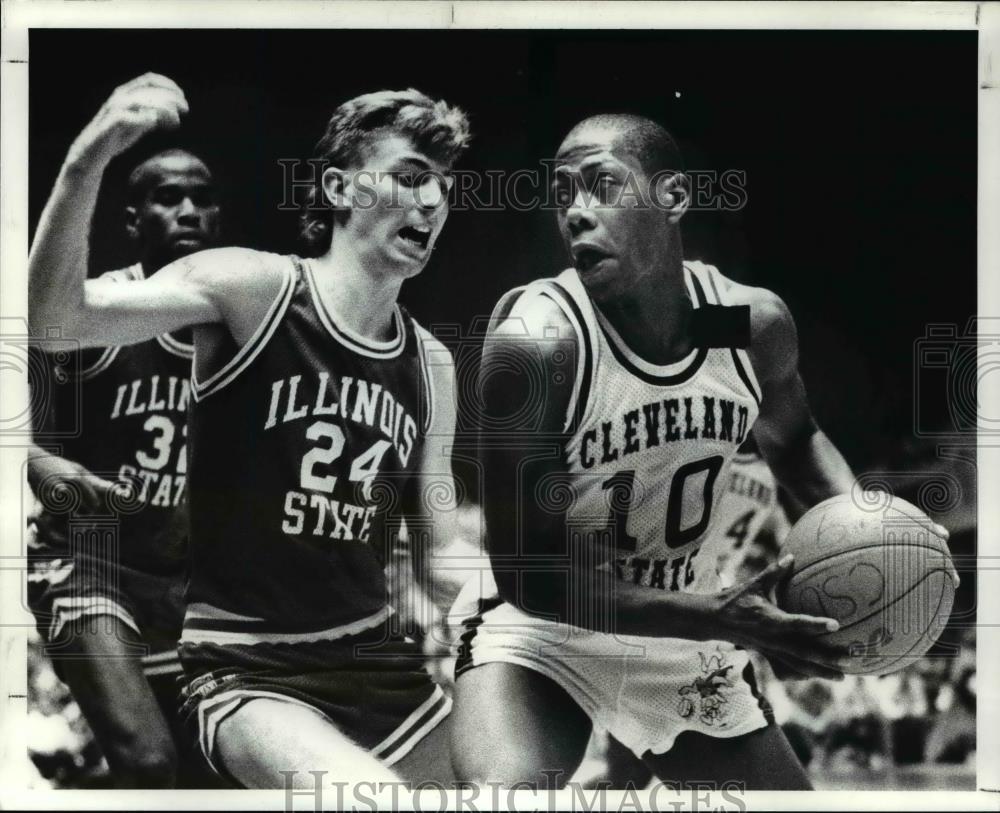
x=923 y=714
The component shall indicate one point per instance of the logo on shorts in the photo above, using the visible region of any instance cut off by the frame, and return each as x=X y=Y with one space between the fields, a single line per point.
x=705 y=696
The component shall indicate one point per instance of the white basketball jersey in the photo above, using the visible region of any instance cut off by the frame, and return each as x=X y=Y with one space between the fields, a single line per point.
x=648 y=448
x=749 y=498
x=650 y=444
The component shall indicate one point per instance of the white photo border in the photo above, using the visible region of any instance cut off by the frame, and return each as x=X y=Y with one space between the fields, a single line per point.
x=18 y=16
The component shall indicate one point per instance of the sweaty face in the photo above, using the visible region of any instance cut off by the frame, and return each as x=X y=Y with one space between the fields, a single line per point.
x=179 y=213
x=399 y=204
x=604 y=214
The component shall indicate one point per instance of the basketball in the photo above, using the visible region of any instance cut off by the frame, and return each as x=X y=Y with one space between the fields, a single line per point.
x=874 y=563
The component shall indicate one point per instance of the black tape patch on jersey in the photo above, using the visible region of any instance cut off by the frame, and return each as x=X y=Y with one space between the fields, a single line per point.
x=721 y=326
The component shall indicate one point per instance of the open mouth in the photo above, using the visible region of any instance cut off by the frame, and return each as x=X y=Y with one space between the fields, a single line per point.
x=419 y=237
x=587 y=257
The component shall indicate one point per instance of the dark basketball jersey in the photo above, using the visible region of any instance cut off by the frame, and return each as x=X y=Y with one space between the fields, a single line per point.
x=122 y=414
x=301 y=448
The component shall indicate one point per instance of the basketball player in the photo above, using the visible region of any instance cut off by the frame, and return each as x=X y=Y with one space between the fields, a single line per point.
x=614 y=396
x=106 y=585
x=319 y=421
x=751 y=523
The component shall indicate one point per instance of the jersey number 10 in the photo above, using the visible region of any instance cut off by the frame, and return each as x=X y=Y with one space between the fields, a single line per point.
x=621 y=486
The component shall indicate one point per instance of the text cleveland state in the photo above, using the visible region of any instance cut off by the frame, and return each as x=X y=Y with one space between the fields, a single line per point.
x=661 y=422
x=657 y=424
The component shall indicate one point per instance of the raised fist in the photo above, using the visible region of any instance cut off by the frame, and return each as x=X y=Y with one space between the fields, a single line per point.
x=147 y=103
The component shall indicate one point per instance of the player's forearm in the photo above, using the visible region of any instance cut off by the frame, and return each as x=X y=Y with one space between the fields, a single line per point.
x=812 y=469
x=38 y=460
x=441 y=561
x=444 y=573
x=57 y=262
x=594 y=600
x=545 y=571
x=47 y=467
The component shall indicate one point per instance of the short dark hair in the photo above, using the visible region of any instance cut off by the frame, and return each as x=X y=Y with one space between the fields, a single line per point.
x=140 y=179
x=438 y=129
x=641 y=137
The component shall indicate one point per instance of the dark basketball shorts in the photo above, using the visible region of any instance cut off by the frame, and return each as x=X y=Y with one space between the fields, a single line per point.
x=386 y=705
x=63 y=590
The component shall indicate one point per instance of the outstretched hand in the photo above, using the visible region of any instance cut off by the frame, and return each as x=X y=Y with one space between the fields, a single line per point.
x=144 y=104
x=750 y=617
x=62 y=487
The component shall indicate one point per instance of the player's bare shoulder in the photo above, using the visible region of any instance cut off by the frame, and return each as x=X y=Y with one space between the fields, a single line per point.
x=241 y=272
x=528 y=315
x=243 y=282
x=437 y=352
x=439 y=360
x=530 y=348
x=773 y=337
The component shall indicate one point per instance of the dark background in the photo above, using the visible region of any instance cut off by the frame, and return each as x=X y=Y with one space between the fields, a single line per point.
x=859 y=150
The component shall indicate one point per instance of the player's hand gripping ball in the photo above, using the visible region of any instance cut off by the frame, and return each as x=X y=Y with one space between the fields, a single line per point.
x=881 y=567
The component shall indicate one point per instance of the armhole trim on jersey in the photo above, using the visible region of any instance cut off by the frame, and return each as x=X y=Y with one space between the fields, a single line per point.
x=698 y=290
x=689 y=282
x=103 y=362
x=744 y=369
x=246 y=354
x=711 y=282
x=425 y=373
x=580 y=396
x=506 y=302
x=741 y=360
x=171 y=345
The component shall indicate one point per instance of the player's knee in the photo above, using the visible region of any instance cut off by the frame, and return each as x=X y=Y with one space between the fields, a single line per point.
x=469 y=762
x=517 y=776
x=146 y=765
x=485 y=767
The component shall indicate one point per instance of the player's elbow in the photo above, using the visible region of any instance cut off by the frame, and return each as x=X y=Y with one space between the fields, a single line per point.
x=91 y=322
x=68 y=317
x=51 y=305
x=48 y=315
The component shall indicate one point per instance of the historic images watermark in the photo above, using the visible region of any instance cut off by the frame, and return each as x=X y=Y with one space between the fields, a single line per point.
x=549 y=187
x=551 y=794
